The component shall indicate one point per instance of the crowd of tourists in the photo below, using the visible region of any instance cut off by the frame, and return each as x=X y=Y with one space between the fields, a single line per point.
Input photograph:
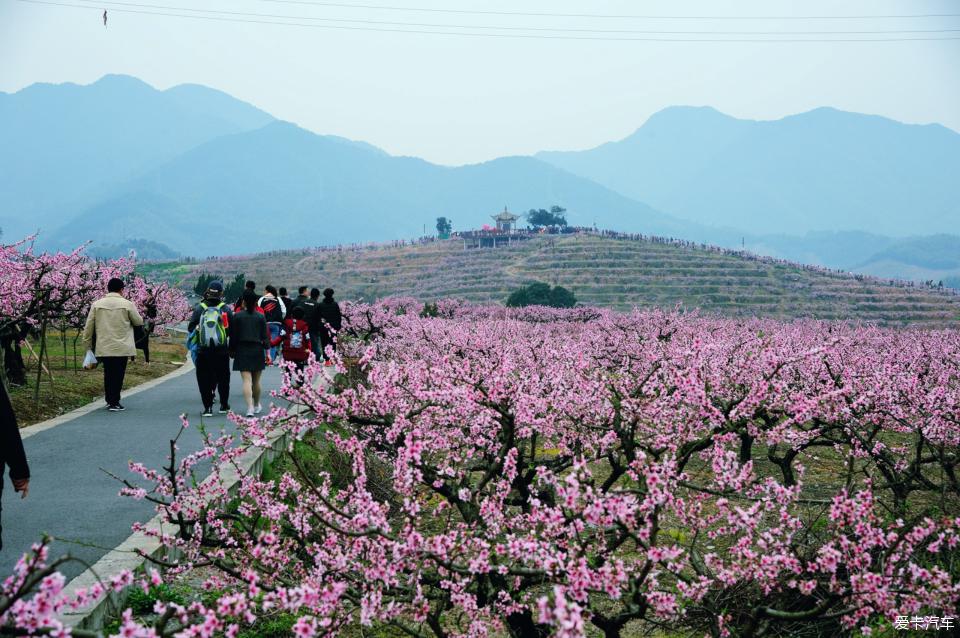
x=255 y=331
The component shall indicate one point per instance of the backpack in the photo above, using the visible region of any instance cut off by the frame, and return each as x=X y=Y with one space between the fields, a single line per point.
x=271 y=310
x=297 y=339
x=212 y=330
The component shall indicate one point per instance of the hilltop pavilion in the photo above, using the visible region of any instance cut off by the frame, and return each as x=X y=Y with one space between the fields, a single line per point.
x=505 y=221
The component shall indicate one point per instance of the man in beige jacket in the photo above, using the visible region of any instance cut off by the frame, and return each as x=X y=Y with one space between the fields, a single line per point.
x=109 y=333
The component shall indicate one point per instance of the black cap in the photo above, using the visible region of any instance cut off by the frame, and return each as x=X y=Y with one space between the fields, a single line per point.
x=215 y=286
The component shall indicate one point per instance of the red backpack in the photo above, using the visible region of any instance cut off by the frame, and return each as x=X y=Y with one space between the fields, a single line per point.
x=296 y=343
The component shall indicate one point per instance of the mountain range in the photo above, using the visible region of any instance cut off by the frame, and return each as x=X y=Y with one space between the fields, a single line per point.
x=823 y=170
x=192 y=170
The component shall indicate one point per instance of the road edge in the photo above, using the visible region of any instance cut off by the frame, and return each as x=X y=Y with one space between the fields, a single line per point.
x=128 y=555
x=97 y=404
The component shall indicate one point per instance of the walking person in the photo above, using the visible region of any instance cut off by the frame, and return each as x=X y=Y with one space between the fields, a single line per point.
x=301 y=297
x=109 y=333
x=330 y=320
x=249 y=341
x=286 y=302
x=11 y=452
x=274 y=312
x=296 y=341
x=212 y=319
x=311 y=313
x=249 y=285
x=142 y=334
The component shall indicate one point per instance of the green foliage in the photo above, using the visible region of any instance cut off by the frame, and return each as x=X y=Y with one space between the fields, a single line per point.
x=444 y=226
x=234 y=289
x=429 y=310
x=231 y=290
x=203 y=282
x=279 y=626
x=539 y=218
x=142 y=602
x=541 y=294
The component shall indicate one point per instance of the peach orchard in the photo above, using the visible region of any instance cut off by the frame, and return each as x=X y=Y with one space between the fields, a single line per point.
x=533 y=472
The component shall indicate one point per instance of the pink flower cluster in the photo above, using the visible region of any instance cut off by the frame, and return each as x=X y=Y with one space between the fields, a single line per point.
x=538 y=472
x=58 y=288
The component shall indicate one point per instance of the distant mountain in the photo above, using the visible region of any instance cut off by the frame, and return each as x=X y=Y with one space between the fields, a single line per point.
x=63 y=147
x=142 y=249
x=934 y=258
x=824 y=170
x=845 y=250
x=280 y=186
x=192 y=170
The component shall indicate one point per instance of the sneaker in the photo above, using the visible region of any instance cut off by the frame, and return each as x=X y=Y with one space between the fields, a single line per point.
x=224 y=409
x=327 y=364
x=207 y=412
x=249 y=414
x=258 y=409
x=116 y=408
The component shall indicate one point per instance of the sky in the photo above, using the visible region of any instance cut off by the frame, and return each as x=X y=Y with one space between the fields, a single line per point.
x=454 y=98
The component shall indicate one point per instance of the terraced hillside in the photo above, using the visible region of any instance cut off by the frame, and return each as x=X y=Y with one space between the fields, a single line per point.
x=600 y=270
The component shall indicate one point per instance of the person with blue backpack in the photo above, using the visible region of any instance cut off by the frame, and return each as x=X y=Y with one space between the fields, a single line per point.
x=210 y=330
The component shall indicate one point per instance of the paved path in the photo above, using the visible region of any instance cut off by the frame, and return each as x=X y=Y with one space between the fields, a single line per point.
x=71 y=498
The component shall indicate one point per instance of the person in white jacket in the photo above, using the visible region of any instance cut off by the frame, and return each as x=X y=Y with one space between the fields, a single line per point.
x=274 y=311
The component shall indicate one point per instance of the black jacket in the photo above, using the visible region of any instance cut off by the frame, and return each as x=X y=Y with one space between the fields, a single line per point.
x=11 y=445
x=329 y=311
x=248 y=328
x=310 y=314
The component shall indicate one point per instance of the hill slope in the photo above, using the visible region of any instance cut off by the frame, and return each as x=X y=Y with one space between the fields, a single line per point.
x=64 y=146
x=824 y=170
x=603 y=271
x=282 y=186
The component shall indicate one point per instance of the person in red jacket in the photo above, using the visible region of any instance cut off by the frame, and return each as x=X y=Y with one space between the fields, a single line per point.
x=295 y=339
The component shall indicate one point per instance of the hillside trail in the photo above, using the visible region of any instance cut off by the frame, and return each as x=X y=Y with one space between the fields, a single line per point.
x=74 y=500
x=516 y=270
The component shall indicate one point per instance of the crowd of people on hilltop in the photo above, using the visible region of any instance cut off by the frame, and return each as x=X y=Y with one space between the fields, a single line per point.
x=255 y=331
x=590 y=230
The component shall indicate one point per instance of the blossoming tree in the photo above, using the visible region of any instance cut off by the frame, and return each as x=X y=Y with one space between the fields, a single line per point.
x=541 y=472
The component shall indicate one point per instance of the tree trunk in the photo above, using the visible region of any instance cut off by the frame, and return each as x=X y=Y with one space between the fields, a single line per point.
x=43 y=351
x=521 y=625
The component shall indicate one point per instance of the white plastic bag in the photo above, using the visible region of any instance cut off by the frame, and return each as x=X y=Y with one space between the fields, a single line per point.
x=90 y=360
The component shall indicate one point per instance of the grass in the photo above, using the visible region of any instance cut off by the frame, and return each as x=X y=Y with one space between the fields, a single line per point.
x=70 y=388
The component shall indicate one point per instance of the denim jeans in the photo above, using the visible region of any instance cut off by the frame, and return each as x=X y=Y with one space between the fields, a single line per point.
x=274 y=329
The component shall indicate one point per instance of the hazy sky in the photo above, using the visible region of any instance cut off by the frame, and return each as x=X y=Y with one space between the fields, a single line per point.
x=457 y=99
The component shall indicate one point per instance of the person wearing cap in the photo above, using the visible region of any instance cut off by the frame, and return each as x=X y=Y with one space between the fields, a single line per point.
x=213 y=358
x=109 y=334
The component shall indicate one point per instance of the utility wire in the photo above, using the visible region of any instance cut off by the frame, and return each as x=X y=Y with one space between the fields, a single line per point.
x=529 y=36
x=344 y=5
x=511 y=28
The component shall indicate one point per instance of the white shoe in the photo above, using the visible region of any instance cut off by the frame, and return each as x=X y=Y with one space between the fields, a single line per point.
x=249 y=413
x=258 y=409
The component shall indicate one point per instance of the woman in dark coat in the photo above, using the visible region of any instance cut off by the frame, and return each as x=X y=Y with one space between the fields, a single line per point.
x=328 y=311
x=11 y=451
x=248 y=343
